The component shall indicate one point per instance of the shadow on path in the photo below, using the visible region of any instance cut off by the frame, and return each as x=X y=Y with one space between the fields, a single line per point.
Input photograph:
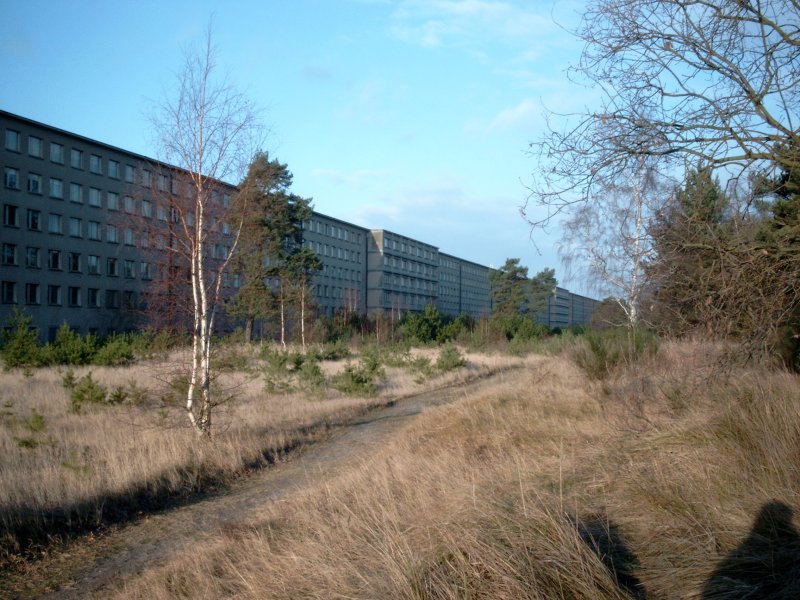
x=765 y=565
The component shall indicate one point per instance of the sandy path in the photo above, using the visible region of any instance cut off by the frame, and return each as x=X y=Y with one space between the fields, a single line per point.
x=94 y=565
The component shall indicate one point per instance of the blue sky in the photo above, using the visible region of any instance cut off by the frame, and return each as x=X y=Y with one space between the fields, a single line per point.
x=408 y=115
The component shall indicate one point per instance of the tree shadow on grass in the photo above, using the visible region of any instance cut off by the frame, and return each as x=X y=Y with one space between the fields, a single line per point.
x=765 y=565
x=602 y=536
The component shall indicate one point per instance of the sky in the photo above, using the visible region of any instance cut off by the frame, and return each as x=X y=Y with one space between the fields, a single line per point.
x=408 y=115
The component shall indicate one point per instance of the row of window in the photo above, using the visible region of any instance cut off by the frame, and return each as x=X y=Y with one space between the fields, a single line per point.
x=58 y=259
x=340 y=233
x=58 y=154
x=410 y=282
x=340 y=273
x=407 y=265
x=75 y=296
x=77 y=160
x=409 y=248
x=334 y=252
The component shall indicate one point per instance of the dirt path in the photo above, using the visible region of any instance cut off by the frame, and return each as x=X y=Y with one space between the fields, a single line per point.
x=95 y=563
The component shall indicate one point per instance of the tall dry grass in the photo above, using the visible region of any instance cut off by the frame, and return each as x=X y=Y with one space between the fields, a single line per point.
x=550 y=486
x=63 y=471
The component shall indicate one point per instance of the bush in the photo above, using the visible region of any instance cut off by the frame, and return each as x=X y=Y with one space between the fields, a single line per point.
x=86 y=391
x=606 y=350
x=449 y=359
x=69 y=348
x=332 y=351
x=117 y=351
x=310 y=377
x=359 y=380
x=20 y=344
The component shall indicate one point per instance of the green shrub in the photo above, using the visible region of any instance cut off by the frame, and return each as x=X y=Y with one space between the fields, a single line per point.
x=86 y=391
x=359 y=379
x=450 y=358
x=310 y=377
x=69 y=348
x=604 y=351
x=332 y=351
x=117 y=351
x=20 y=344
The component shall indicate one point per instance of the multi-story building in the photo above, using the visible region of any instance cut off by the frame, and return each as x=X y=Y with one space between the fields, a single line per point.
x=84 y=225
x=401 y=273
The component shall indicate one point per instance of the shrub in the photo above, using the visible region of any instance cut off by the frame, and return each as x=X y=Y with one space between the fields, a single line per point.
x=86 y=391
x=69 y=348
x=310 y=377
x=117 y=351
x=331 y=351
x=450 y=358
x=606 y=350
x=359 y=380
x=20 y=344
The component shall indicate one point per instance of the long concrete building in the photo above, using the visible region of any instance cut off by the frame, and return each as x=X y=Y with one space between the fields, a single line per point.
x=72 y=252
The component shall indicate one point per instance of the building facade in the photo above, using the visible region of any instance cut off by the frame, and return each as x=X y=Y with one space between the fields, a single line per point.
x=84 y=224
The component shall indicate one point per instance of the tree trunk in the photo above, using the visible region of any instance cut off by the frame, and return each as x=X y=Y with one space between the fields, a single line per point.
x=248 y=329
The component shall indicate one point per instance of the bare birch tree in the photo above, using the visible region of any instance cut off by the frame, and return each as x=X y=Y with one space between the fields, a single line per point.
x=608 y=241
x=208 y=130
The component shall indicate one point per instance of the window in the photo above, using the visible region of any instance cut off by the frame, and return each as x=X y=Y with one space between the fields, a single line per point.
x=75 y=227
x=8 y=291
x=12 y=140
x=113 y=169
x=161 y=212
x=56 y=188
x=130 y=172
x=95 y=164
x=31 y=293
x=112 y=267
x=94 y=197
x=173 y=187
x=162 y=183
x=146 y=178
x=112 y=298
x=93 y=264
x=128 y=237
x=144 y=239
x=57 y=153
x=145 y=271
x=54 y=223
x=130 y=205
x=93 y=230
x=127 y=268
x=75 y=193
x=10 y=215
x=54 y=260
x=54 y=295
x=9 y=254
x=11 y=178
x=93 y=298
x=226 y=229
x=74 y=296
x=34 y=183
x=35 y=146
x=34 y=220
x=32 y=257
x=112 y=234
x=129 y=299
x=74 y=260
x=112 y=200
x=147 y=208
x=76 y=158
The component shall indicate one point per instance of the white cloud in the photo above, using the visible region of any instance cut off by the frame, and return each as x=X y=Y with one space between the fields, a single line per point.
x=357 y=179
x=524 y=117
x=435 y=22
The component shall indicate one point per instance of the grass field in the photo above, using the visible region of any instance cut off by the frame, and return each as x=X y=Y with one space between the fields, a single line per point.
x=673 y=479
x=64 y=471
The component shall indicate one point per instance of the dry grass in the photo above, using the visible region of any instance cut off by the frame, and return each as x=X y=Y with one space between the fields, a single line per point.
x=534 y=490
x=64 y=471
